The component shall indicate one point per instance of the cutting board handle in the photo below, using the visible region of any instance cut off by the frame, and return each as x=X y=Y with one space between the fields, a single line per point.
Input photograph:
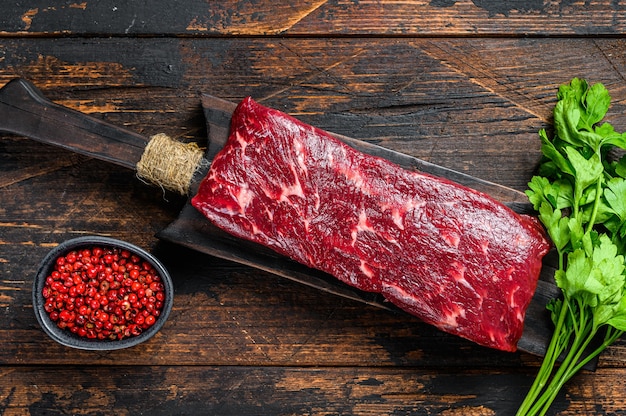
x=25 y=111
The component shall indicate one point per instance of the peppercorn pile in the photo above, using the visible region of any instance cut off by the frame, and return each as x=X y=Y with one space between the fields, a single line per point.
x=103 y=293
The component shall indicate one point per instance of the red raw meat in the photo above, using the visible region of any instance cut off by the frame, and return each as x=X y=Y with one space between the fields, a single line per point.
x=450 y=255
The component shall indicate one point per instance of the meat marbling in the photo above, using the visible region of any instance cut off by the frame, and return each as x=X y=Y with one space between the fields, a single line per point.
x=450 y=255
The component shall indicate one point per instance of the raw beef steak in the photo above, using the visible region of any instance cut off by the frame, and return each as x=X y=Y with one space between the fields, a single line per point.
x=450 y=255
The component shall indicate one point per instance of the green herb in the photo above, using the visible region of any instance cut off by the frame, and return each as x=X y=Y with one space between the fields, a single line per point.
x=581 y=198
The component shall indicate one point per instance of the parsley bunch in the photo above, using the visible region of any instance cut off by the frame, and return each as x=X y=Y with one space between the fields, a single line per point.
x=580 y=195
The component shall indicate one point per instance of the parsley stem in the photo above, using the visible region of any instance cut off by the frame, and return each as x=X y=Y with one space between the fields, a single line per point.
x=584 y=333
x=554 y=350
x=610 y=337
x=568 y=368
x=596 y=204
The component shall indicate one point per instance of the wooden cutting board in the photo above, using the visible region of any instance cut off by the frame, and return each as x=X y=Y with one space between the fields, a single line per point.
x=192 y=230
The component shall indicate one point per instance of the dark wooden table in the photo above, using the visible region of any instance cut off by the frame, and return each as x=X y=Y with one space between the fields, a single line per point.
x=464 y=84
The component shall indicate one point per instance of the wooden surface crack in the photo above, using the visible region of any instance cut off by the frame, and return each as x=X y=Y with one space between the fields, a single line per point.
x=462 y=62
x=301 y=16
x=316 y=70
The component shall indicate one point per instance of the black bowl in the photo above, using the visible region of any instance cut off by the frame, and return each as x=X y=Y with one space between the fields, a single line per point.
x=68 y=338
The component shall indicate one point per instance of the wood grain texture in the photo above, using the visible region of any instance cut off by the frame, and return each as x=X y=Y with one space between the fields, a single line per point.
x=158 y=390
x=451 y=101
x=465 y=84
x=316 y=17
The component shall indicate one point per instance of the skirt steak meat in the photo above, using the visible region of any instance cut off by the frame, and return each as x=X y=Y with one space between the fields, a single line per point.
x=450 y=255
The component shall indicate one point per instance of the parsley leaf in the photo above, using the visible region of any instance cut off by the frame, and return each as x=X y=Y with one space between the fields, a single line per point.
x=615 y=196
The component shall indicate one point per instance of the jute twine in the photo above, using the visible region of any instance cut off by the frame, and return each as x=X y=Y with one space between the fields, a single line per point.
x=170 y=164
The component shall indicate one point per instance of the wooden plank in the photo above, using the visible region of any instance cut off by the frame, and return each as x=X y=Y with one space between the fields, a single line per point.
x=473 y=106
x=315 y=17
x=156 y=390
